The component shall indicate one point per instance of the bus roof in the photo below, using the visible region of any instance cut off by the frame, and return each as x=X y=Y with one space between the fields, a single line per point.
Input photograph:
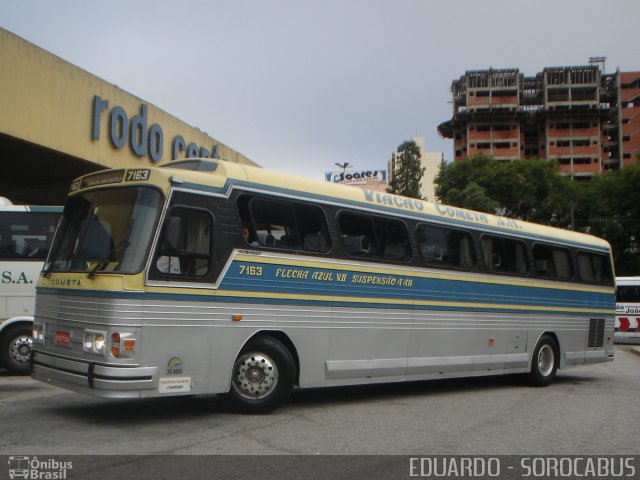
x=221 y=177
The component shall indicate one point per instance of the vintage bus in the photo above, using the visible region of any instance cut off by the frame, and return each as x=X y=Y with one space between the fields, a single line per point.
x=627 y=327
x=201 y=276
x=26 y=233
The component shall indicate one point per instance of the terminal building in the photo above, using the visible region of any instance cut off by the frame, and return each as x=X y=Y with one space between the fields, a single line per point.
x=587 y=120
x=58 y=122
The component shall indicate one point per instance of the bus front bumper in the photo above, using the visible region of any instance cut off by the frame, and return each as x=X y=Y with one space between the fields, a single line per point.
x=94 y=379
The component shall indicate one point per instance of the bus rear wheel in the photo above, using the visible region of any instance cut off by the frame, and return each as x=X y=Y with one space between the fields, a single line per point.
x=263 y=376
x=15 y=348
x=544 y=363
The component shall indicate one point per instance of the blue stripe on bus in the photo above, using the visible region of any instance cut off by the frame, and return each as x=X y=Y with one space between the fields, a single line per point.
x=336 y=301
x=422 y=289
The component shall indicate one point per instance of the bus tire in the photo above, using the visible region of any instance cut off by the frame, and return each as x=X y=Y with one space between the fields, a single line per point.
x=263 y=376
x=15 y=348
x=544 y=363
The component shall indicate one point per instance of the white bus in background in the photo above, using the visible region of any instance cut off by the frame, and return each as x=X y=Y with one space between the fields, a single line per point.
x=26 y=233
x=627 y=310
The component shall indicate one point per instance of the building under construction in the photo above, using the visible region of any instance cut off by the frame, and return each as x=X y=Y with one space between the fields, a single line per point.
x=587 y=120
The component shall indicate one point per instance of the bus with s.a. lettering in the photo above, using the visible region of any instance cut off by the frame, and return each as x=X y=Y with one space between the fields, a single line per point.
x=26 y=233
x=202 y=276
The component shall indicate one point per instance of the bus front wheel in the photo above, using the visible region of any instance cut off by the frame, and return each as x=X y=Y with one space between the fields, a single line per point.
x=263 y=376
x=15 y=348
x=544 y=363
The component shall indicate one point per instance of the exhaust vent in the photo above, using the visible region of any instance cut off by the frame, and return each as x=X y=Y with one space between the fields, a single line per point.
x=596 y=332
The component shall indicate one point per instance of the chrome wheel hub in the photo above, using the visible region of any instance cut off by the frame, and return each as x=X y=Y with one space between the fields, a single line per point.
x=255 y=376
x=546 y=360
x=20 y=349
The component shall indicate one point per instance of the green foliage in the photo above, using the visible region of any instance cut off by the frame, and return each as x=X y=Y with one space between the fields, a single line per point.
x=408 y=171
x=531 y=189
x=607 y=206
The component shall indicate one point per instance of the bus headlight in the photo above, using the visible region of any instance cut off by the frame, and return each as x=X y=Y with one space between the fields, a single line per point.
x=38 y=333
x=93 y=342
x=98 y=343
x=88 y=342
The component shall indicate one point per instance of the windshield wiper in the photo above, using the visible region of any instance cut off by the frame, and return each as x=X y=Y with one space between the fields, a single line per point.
x=46 y=273
x=112 y=254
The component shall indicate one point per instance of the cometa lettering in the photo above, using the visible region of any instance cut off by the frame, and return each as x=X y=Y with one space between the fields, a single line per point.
x=461 y=214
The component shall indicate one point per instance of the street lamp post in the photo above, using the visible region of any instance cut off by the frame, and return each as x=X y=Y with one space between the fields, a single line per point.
x=343 y=166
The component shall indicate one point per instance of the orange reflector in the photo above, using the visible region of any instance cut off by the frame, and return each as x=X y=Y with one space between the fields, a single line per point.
x=129 y=345
x=115 y=344
x=492 y=341
x=236 y=318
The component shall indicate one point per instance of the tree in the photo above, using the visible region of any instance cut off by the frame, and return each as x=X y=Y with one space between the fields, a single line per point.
x=608 y=206
x=408 y=171
x=469 y=183
x=530 y=189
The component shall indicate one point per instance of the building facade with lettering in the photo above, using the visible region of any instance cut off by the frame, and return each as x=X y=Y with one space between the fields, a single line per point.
x=58 y=122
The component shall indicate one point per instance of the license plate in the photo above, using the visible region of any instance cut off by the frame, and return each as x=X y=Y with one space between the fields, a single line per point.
x=62 y=338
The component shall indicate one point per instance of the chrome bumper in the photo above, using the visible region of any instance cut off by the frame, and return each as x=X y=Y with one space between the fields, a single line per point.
x=91 y=378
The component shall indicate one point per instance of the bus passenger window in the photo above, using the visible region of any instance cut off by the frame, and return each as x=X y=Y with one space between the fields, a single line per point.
x=274 y=223
x=553 y=262
x=504 y=255
x=394 y=238
x=441 y=246
x=358 y=234
x=312 y=226
x=594 y=268
x=185 y=244
x=374 y=237
x=26 y=236
x=285 y=225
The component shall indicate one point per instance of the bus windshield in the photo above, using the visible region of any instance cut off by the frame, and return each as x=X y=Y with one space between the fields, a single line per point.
x=106 y=230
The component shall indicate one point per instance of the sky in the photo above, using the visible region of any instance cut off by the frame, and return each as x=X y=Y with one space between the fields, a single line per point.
x=299 y=85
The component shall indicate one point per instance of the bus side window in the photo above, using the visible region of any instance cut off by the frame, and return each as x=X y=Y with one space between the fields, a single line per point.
x=168 y=260
x=374 y=237
x=553 y=262
x=186 y=243
x=504 y=255
x=275 y=223
x=26 y=236
x=594 y=268
x=442 y=246
x=312 y=225
x=358 y=234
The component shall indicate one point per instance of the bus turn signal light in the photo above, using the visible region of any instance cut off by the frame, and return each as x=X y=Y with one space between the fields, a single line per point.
x=115 y=344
